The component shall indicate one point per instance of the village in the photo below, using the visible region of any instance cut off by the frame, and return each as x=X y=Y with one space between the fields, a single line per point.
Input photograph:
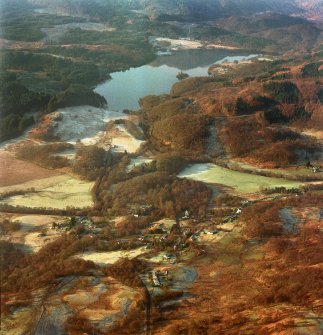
x=164 y=242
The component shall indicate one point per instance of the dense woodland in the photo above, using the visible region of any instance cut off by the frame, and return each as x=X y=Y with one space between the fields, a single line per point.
x=251 y=137
x=45 y=155
x=153 y=185
x=18 y=105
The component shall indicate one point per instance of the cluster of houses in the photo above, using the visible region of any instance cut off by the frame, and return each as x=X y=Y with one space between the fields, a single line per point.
x=141 y=210
x=169 y=258
x=314 y=168
x=61 y=226
x=155 y=279
x=72 y=222
x=233 y=216
x=197 y=234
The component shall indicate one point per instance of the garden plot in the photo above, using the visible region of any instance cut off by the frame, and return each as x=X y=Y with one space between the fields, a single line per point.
x=35 y=222
x=210 y=238
x=55 y=192
x=34 y=231
x=122 y=140
x=240 y=182
x=138 y=161
x=163 y=224
x=108 y=258
x=162 y=258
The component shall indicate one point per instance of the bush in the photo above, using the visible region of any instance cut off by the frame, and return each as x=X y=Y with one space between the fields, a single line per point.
x=262 y=220
x=275 y=115
x=284 y=91
x=7 y=226
x=126 y=271
x=312 y=70
x=170 y=164
x=90 y=161
x=185 y=131
x=51 y=262
x=243 y=136
x=44 y=155
x=15 y=102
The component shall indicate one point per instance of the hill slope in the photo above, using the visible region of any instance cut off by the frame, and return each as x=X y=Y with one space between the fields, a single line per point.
x=210 y=9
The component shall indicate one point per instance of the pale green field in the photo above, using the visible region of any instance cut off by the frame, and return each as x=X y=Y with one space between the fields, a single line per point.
x=56 y=192
x=108 y=258
x=240 y=182
x=299 y=172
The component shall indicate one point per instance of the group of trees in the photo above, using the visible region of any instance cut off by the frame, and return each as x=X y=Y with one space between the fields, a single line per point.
x=168 y=194
x=59 y=69
x=17 y=105
x=173 y=123
x=184 y=131
x=45 y=155
x=76 y=95
x=298 y=279
x=20 y=105
x=312 y=69
x=257 y=103
x=155 y=184
x=127 y=271
x=262 y=220
x=90 y=161
x=283 y=91
x=251 y=138
x=29 y=272
x=243 y=136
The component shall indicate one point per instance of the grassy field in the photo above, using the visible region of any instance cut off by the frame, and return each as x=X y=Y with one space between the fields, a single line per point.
x=138 y=161
x=57 y=192
x=108 y=258
x=14 y=171
x=240 y=182
x=294 y=172
x=34 y=231
x=123 y=140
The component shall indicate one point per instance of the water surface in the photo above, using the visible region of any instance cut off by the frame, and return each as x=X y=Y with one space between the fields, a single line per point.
x=125 y=88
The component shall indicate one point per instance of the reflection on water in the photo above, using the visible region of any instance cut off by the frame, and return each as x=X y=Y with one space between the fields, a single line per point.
x=125 y=88
x=190 y=59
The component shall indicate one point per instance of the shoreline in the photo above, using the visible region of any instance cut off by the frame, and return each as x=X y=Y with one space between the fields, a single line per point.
x=186 y=44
